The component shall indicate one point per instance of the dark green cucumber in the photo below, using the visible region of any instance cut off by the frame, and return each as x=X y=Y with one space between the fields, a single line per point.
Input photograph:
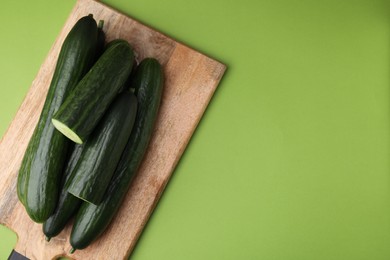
x=67 y=203
x=42 y=166
x=86 y=104
x=91 y=220
x=103 y=149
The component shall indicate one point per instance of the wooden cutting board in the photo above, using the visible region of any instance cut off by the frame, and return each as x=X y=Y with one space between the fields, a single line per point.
x=191 y=79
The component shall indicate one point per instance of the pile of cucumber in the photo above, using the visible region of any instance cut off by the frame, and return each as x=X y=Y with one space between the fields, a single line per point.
x=91 y=136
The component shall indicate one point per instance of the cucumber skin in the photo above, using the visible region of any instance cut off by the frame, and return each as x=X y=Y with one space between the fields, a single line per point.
x=67 y=204
x=44 y=159
x=86 y=105
x=91 y=220
x=103 y=149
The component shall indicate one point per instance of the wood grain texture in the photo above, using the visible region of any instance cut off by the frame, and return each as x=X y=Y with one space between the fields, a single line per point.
x=191 y=79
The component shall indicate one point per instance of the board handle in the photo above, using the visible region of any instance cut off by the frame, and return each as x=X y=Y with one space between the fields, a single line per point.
x=17 y=256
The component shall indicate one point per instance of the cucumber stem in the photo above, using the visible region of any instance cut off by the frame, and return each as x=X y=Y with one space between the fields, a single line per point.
x=101 y=23
x=47 y=238
x=71 y=251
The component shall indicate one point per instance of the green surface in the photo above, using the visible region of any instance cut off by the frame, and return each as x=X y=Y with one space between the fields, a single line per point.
x=291 y=160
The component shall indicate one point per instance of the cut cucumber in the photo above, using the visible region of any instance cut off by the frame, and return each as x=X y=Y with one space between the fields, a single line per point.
x=84 y=107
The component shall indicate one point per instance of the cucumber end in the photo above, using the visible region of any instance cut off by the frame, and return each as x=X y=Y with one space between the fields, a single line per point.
x=47 y=238
x=65 y=130
x=72 y=250
x=80 y=197
x=101 y=24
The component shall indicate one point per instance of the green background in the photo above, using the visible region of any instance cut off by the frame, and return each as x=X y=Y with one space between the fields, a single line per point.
x=291 y=160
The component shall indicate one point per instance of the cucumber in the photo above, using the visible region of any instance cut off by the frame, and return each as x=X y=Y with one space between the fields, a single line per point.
x=103 y=149
x=67 y=204
x=92 y=220
x=43 y=162
x=84 y=107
